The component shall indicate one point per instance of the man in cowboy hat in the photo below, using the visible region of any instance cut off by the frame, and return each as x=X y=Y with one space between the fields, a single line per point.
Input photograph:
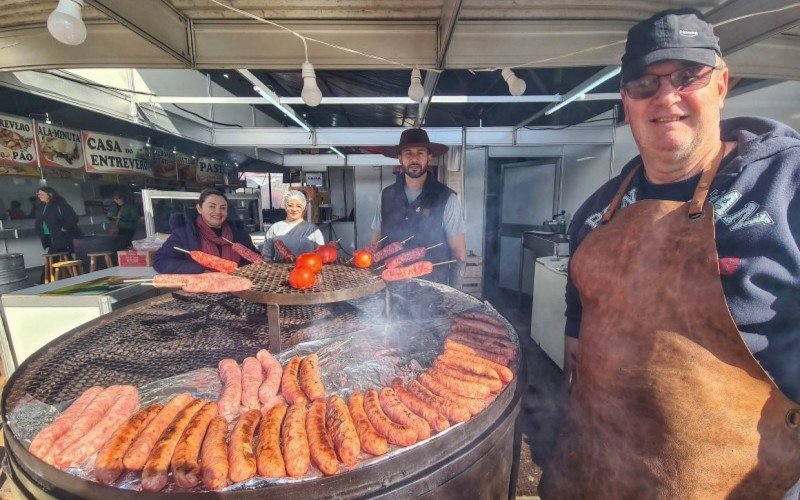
x=683 y=312
x=420 y=206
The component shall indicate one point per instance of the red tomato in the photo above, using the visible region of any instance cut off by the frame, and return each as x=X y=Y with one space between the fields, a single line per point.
x=328 y=253
x=302 y=278
x=362 y=259
x=310 y=260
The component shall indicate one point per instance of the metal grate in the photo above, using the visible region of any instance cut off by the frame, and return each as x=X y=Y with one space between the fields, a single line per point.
x=335 y=282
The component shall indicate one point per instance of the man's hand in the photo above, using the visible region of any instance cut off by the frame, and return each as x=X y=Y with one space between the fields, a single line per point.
x=457 y=269
x=570 y=361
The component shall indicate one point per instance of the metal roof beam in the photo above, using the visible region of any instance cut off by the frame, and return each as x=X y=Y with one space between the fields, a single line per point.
x=774 y=17
x=339 y=101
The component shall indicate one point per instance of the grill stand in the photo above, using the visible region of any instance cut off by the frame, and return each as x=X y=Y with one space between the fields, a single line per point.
x=274 y=325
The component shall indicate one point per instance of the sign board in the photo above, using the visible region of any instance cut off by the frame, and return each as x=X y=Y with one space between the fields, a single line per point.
x=109 y=154
x=164 y=163
x=17 y=147
x=210 y=171
x=59 y=147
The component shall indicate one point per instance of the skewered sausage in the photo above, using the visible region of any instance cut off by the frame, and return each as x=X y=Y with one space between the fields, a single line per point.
x=269 y=460
x=45 y=438
x=108 y=464
x=309 y=378
x=283 y=250
x=466 y=359
x=213 y=262
x=453 y=411
x=294 y=440
x=342 y=430
x=319 y=443
x=415 y=270
x=405 y=257
x=251 y=383
x=371 y=442
x=480 y=326
x=214 y=455
x=231 y=377
x=462 y=387
x=399 y=413
x=246 y=253
x=216 y=283
x=171 y=280
x=474 y=405
x=154 y=474
x=435 y=420
x=272 y=371
x=491 y=383
x=241 y=458
x=185 y=461
x=452 y=345
x=139 y=451
x=127 y=402
x=397 y=434
x=484 y=317
x=290 y=386
x=388 y=250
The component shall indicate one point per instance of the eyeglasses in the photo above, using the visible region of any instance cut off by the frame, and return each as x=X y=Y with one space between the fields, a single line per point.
x=684 y=81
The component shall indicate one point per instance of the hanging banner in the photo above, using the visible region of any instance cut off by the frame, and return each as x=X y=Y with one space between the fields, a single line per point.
x=210 y=171
x=109 y=154
x=164 y=163
x=58 y=147
x=186 y=166
x=17 y=147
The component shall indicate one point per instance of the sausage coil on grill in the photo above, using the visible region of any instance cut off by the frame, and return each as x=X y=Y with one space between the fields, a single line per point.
x=453 y=411
x=465 y=388
x=139 y=451
x=371 y=442
x=452 y=345
x=294 y=441
x=283 y=250
x=214 y=455
x=473 y=405
x=490 y=329
x=397 y=434
x=309 y=378
x=436 y=420
x=467 y=366
x=494 y=348
x=108 y=464
x=319 y=443
x=477 y=363
x=251 y=383
x=342 y=430
x=241 y=457
x=231 y=396
x=388 y=250
x=405 y=257
x=185 y=463
x=269 y=460
x=491 y=383
x=45 y=438
x=290 y=386
x=415 y=270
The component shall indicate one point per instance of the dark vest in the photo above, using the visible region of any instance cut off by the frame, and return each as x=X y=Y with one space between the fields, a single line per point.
x=421 y=218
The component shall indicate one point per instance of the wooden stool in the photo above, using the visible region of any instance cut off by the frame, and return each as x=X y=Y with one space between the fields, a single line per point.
x=49 y=260
x=93 y=260
x=68 y=267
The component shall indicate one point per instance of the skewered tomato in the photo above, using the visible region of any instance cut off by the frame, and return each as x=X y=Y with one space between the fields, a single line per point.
x=328 y=253
x=310 y=260
x=302 y=278
x=362 y=259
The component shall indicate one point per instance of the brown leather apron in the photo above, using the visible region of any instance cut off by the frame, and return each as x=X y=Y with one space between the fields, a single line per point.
x=668 y=402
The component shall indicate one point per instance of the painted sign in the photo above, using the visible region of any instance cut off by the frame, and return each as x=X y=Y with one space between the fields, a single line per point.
x=164 y=163
x=17 y=147
x=109 y=154
x=59 y=147
x=210 y=171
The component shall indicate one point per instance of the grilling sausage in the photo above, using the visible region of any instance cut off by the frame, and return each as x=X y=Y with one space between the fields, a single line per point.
x=486 y=345
x=45 y=438
x=481 y=326
x=231 y=377
x=214 y=455
x=453 y=411
x=90 y=416
x=371 y=442
x=436 y=420
x=154 y=474
x=251 y=382
x=283 y=250
x=400 y=414
x=491 y=383
x=247 y=254
x=294 y=439
x=241 y=458
x=465 y=388
x=406 y=257
x=139 y=451
x=290 y=387
x=216 y=283
x=473 y=405
x=108 y=464
x=269 y=460
x=452 y=345
x=467 y=366
x=397 y=434
x=415 y=270
x=213 y=262
x=467 y=360
x=274 y=401
x=342 y=430
x=185 y=463
x=272 y=372
x=388 y=250
x=126 y=403
x=484 y=317
x=309 y=378
x=319 y=443
x=483 y=339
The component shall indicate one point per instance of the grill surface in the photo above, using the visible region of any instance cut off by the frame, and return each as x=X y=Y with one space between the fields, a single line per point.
x=336 y=282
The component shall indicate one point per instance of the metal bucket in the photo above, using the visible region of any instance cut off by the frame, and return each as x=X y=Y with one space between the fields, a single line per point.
x=12 y=272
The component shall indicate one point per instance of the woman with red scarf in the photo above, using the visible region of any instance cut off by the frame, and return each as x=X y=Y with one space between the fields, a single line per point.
x=207 y=232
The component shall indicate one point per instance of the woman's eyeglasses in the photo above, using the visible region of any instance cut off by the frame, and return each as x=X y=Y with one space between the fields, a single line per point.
x=684 y=81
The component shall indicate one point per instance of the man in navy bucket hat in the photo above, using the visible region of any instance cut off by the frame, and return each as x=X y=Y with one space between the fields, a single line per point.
x=682 y=303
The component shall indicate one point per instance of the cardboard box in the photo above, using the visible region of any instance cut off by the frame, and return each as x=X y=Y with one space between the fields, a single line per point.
x=135 y=258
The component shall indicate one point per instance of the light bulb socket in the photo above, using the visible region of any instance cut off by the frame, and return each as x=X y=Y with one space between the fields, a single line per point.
x=308 y=70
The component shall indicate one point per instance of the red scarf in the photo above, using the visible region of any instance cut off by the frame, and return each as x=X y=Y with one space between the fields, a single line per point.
x=211 y=243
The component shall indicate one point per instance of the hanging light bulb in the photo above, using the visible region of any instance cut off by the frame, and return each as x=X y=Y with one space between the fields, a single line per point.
x=174 y=150
x=66 y=24
x=47 y=119
x=147 y=144
x=416 y=91
x=311 y=94
x=516 y=85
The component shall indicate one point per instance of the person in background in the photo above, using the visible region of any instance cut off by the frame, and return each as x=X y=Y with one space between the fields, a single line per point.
x=208 y=232
x=56 y=221
x=125 y=217
x=34 y=201
x=683 y=311
x=298 y=235
x=420 y=206
x=15 y=212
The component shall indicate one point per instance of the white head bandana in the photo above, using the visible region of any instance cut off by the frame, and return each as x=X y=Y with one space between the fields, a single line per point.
x=294 y=195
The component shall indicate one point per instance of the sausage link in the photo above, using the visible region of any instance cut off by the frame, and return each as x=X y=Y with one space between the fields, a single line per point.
x=485 y=339
x=283 y=250
x=214 y=455
x=371 y=442
x=505 y=373
x=272 y=371
x=185 y=462
x=506 y=352
x=231 y=397
x=436 y=420
x=342 y=430
x=399 y=413
x=139 y=450
x=269 y=460
x=451 y=410
x=479 y=369
x=390 y=249
x=396 y=434
x=406 y=257
x=45 y=438
x=491 y=383
x=459 y=386
x=452 y=345
x=154 y=474
x=474 y=406
x=241 y=458
x=108 y=464
x=294 y=439
x=481 y=326
x=290 y=386
x=484 y=317
x=309 y=378
x=415 y=270
x=251 y=382
x=319 y=443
